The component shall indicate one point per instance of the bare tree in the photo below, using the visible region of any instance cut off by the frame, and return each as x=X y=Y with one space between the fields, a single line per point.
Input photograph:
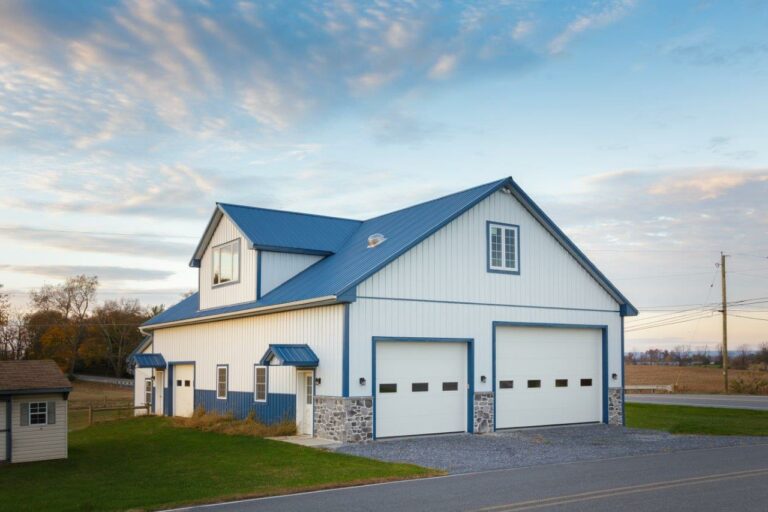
x=14 y=337
x=118 y=322
x=72 y=300
x=5 y=307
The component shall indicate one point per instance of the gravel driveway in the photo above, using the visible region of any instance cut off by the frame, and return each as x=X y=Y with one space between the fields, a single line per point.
x=464 y=453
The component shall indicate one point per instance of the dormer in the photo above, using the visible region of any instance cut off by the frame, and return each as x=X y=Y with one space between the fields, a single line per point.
x=247 y=252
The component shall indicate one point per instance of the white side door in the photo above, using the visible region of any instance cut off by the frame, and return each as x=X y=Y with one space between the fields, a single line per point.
x=304 y=402
x=421 y=388
x=548 y=376
x=183 y=390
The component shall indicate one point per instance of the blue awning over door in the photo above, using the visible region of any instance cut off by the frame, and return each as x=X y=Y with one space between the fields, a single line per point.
x=290 y=355
x=156 y=361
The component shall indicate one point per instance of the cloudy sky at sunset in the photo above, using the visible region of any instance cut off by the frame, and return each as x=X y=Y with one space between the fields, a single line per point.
x=639 y=126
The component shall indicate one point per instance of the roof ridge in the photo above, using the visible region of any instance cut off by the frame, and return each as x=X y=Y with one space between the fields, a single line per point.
x=494 y=182
x=289 y=212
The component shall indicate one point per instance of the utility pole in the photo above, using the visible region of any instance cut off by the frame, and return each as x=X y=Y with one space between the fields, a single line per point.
x=725 y=324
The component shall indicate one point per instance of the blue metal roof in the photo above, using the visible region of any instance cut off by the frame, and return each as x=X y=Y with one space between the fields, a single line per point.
x=149 y=361
x=291 y=355
x=352 y=261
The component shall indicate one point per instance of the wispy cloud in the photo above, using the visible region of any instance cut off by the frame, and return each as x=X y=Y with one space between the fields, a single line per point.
x=105 y=273
x=607 y=14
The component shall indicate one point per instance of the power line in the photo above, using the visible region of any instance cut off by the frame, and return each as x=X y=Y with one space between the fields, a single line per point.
x=749 y=317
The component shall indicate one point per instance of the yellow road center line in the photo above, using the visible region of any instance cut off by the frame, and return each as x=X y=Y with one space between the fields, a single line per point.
x=619 y=491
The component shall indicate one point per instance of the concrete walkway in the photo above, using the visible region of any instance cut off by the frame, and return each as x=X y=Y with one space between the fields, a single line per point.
x=759 y=403
x=312 y=442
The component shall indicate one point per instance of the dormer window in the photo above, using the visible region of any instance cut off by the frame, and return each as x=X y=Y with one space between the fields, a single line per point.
x=226 y=263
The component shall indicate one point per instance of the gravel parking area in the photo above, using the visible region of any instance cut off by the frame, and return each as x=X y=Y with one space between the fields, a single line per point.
x=465 y=453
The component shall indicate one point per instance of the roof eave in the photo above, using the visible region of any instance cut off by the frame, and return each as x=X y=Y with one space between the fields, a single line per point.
x=262 y=310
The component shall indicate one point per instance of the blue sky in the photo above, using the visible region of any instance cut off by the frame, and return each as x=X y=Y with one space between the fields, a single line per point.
x=638 y=125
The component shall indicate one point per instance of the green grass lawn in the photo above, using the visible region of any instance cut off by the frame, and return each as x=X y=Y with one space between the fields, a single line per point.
x=146 y=463
x=679 y=419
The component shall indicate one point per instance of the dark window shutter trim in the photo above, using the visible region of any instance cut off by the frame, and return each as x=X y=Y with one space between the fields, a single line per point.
x=24 y=420
x=51 y=413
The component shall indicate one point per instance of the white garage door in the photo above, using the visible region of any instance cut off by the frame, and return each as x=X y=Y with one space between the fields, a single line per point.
x=421 y=388
x=548 y=376
x=183 y=390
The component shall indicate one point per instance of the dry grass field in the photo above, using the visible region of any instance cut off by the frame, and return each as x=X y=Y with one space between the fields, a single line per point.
x=687 y=379
x=96 y=395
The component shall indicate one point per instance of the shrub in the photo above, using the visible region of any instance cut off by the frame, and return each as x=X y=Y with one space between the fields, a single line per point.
x=750 y=386
x=227 y=424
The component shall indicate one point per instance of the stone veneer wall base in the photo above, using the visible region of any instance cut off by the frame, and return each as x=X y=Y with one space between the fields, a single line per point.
x=615 y=406
x=483 y=408
x=347 y=420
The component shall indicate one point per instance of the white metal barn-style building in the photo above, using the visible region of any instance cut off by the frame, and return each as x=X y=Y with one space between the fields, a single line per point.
x=467 y=313
x=33 y=411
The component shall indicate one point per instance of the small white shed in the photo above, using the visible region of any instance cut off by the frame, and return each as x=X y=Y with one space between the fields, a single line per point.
x=33 y=411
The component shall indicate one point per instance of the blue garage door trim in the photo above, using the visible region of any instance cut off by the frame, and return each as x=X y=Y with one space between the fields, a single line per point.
x=416 y=339
x=604 y=351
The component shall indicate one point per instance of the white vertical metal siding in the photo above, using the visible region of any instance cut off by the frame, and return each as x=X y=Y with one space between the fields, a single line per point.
x=452 y=265
x=450 y=269
x=39 y=442
x=241 y=342
x=281 y=379
x=242 y=291
x=278 y=267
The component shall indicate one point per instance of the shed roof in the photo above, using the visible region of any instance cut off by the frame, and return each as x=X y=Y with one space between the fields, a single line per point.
x=149 y=361
x=26 y=376
x=335 y=276
x=291 y=355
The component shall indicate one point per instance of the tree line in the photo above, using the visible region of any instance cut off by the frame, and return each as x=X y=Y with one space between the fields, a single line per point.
x=741 y=359
x=65 y=323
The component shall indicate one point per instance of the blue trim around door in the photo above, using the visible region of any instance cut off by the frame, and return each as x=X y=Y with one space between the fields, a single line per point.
x=470 y=370
x=171 y=383
x=603 y=329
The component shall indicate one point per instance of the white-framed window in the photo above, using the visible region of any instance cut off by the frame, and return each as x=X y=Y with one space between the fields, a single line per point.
x=38 y=413
x=503 y=248
x=260 y=383
x=222 y=375
x=148 y=391
x=226 y=263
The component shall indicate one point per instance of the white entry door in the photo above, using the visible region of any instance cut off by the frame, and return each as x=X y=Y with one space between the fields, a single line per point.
x=183 y=390
x=304 y=402
x=159 y=391
x=548 y=376
x=421 y=388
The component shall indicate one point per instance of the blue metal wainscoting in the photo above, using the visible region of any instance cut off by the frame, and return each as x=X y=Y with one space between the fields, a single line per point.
x=278 y=407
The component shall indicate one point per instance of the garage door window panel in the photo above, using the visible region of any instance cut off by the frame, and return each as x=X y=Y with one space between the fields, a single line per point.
x=418 y=387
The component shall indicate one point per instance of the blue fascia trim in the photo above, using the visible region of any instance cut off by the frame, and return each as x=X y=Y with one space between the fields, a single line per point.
x=580 y=256
x=428 y=233
x=348 y=296
x=258 y=274
x=416 y=339
x=292 y=250
x=145 y=342
x=488 y=268
x=345 y=355
x=197 y=256
x=623 y=364
x=216 y=380
x=464 y=303
x=603 y=328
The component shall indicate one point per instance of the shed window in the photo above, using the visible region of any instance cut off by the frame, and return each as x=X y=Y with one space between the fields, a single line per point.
x=260 y=384
x=38 y=413
x=221 y=382
x=226 y=262
x=503 y=247
x=147 y=391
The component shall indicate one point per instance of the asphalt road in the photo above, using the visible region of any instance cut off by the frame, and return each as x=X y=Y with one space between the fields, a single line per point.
x=726 y=401
x=732 y=478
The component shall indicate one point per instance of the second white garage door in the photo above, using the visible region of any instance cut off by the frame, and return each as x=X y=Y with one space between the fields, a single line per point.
x=548 y=376
x=421 y=388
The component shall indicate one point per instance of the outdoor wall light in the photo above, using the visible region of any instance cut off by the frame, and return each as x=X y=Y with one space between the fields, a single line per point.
x=614 y=376
x=482 y=378
x=318 y=380
x=362 y=381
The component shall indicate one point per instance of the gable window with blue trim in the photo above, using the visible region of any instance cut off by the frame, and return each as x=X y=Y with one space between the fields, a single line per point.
x=503 y=247
x=221 y=382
